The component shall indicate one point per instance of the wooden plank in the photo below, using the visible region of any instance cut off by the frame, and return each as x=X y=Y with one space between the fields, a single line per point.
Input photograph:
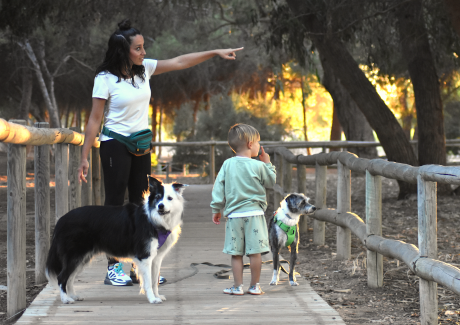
x=87 y=188
x=374 y=227
x=96 y=173
x=74 y=182
x=343 y=206
x=42 y=207
x=16 y=227
x=319 y=227
x=61 y=158
x=427 y=243
x=193 y=295
x=301 y=188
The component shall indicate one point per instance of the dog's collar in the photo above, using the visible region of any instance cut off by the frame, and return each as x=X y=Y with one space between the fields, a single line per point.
x=162 y=236
x=289 y=230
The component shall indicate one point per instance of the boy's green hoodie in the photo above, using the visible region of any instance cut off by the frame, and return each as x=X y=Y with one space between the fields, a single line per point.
x=240 y=185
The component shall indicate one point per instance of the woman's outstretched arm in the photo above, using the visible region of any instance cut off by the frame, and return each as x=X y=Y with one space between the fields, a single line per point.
x=189 y=60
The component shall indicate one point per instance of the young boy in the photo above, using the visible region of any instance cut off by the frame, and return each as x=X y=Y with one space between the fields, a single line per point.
x=239 y=191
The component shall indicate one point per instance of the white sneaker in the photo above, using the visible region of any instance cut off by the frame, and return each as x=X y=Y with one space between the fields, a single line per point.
x=255 y=290
x=115 y=276
x=237 y=291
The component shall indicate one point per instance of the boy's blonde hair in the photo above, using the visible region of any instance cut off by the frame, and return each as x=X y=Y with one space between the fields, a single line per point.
x=241 y=134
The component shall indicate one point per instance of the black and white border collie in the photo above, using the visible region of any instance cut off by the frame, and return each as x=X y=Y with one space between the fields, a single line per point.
x=143 y=234
x=291 y=208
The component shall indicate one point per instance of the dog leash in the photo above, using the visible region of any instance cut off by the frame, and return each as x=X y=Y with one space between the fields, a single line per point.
x=222 y=273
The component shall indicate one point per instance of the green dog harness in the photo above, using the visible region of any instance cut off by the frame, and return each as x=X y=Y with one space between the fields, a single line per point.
x=289 y=230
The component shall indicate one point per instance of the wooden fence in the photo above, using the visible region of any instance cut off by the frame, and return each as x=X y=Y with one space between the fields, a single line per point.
x=69 y=193
x=422 y=261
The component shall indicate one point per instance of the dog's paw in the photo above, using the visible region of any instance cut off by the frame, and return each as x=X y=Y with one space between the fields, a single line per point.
x=156 y=301
x=163 y=298
x=67 y=300
x=293 y=283
x=77 y=298
x=273 y=283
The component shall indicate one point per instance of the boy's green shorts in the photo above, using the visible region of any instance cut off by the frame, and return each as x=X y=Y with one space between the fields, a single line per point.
x=246 y=236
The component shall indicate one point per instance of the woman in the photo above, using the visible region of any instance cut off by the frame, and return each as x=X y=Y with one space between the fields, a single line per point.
x=121 y=85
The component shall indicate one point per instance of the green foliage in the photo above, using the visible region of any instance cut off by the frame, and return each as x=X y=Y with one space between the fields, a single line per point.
x=215 y=123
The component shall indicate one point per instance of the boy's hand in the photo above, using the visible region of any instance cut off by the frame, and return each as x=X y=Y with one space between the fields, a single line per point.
x=264 y=156
x=216 y=218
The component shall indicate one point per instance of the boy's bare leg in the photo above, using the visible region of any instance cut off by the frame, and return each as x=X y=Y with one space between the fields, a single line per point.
x=256 y=268
x=237 y=269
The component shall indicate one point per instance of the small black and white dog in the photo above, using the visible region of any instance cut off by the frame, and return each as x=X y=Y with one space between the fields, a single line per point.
x=145 y=234
x=283 y=230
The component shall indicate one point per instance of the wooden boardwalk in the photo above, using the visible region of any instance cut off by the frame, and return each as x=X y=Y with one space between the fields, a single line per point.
x=194 y=295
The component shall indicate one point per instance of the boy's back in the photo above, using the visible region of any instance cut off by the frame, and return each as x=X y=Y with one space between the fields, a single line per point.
x=240 y=185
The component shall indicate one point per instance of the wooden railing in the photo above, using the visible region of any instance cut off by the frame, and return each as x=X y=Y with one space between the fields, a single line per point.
x=69 y=194
x=421 y=261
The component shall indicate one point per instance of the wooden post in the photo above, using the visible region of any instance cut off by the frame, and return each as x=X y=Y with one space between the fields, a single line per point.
x=301 y=187
x=212 y=163
x=427 y=243
x=61 y=157
x=42 y=206
x=16 y=227
x=343 y=206
x=319 y=227
x=96 y=175
x=87 y=188
x=74 y=182
x=277 y=197
x=374 y=227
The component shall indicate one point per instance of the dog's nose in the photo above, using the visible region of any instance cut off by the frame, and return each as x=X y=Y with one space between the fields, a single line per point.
x=313 y=209
x=161 y=206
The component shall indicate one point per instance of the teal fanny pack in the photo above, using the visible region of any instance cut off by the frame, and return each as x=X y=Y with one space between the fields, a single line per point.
x=137 y=143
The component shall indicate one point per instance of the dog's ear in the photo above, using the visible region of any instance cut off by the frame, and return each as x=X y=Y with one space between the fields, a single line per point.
x=292 y=201
x=179 y=188
x=154 y=184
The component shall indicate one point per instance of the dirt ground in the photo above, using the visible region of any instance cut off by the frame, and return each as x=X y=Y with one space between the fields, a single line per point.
x=343 y=284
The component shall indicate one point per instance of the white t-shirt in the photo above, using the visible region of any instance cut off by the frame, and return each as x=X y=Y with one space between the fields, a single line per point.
x=127 y=107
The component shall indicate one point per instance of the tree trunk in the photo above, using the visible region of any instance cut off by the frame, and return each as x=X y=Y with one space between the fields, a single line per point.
x=24 y=106
x=417 y=53
x=353 y=122
x=346 y=69
x=336 y=128
x=453 y=8
x=304 y=108
x=430 y=118
x=53 y=111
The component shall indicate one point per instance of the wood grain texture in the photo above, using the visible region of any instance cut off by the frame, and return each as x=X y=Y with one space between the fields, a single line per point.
x=319 y=227
x=343 y=206
x=16 y=228
x=427 y=243
x=374 y=227
x=42 y=206
x=61 y=158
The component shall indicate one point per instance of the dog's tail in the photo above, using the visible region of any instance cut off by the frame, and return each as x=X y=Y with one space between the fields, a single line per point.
x=53 y=264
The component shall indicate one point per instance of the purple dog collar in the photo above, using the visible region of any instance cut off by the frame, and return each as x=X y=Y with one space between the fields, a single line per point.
x=162 y=236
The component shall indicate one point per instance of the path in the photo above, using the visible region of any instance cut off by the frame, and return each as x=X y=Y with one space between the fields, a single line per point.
x=193 y=295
